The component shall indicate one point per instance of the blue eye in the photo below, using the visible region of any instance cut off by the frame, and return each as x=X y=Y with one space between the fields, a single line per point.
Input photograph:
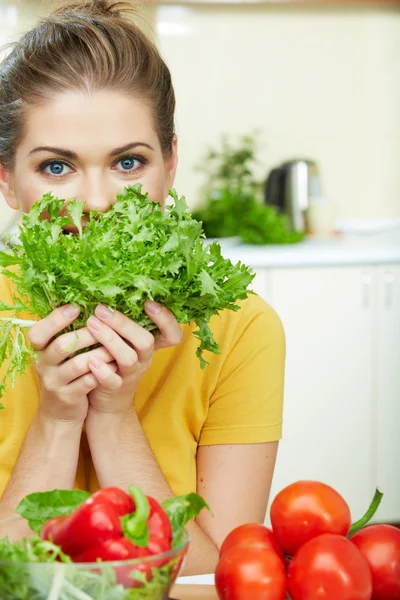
x=128 y=163
x=56 y=168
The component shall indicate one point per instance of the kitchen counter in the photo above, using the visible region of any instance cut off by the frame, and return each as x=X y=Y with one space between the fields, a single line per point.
x=194 y=592
x=340 y=249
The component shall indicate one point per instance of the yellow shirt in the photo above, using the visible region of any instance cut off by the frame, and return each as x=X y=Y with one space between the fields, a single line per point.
x=237 y=399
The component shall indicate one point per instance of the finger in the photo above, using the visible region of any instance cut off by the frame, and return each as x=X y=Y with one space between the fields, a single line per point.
x=79 y=365
x=41 y=334
x=66 y=345
x=170 y=331
x=104 y=374
x=139 y=338
x=81 y=386
x=124 y=355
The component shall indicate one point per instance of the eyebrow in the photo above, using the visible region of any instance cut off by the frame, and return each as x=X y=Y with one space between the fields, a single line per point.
x=73 y=156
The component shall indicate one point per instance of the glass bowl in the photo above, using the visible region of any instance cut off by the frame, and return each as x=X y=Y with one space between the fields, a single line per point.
x=148 y=578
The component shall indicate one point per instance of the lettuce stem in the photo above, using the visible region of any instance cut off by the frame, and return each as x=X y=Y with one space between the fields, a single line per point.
x=20 y=322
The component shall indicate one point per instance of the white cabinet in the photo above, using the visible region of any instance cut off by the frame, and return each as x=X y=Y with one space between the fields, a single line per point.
x=387 y=433
x=261 y=283
x=342 y=397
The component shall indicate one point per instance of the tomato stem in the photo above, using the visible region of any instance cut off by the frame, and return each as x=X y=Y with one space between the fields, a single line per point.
x=368 y=515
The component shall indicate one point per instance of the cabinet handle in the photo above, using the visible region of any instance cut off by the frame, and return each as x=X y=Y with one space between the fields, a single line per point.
x=388 y=279
x=366 y=289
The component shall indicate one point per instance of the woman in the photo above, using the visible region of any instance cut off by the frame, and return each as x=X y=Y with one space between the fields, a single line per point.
x=86 y=108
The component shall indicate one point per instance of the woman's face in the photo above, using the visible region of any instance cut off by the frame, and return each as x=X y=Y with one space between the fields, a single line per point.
x=88 y=146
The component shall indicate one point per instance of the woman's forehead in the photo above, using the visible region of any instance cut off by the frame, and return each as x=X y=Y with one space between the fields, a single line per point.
x=98 y=121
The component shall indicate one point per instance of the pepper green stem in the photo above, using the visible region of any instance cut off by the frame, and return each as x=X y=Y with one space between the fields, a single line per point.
x=368 y=515
x=135 y=525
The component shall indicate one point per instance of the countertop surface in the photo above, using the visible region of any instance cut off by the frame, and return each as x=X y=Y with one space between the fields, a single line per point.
x=193 y=592
x=372 y=248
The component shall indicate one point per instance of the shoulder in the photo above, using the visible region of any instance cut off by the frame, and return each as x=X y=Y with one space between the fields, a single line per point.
x=255 y=317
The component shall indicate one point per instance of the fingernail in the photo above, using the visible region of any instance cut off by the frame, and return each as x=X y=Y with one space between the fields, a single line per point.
x=95 y=323
x=103 y=311
x=152 y=307
x=96 y=362
x=71 y=311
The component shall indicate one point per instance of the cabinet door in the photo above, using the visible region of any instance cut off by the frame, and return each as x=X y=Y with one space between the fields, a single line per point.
x=388 y=391
x=261 y=283
x=329 y=415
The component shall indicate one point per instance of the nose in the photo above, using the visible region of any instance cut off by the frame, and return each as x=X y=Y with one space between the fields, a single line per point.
x=94 y=192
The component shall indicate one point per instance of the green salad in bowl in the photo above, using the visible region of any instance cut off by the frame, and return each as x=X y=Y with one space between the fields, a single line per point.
x=110 y=545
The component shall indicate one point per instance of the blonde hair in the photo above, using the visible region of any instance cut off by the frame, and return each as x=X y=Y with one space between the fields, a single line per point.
x=83 y=45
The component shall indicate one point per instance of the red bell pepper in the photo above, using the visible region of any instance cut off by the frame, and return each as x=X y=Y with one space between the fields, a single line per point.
x=122 y=502
x=96 y=519
x=135 y=523
x=117 y=550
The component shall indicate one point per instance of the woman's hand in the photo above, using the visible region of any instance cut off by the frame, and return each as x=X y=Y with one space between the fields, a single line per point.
x=132 y=349
x=64 y=384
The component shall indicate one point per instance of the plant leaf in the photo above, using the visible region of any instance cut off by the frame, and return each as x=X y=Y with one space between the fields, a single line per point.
x=39 y=507
x=181 y=510
x=133 y=252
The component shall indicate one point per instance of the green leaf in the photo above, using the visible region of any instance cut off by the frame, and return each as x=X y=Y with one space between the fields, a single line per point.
x=181 y=510
x=208 y=285
x=39 y=507
x=15 y=351
x=32 y=550
x=124 y=256
x=7 y=260
x=75 y=209
x=234 y=203
x=56 y=580
x=17 y=307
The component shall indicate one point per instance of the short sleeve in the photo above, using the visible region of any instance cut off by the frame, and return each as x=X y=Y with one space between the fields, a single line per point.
x=247 y=403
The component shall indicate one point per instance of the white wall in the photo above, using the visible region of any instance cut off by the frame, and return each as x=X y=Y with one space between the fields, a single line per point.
x=320 y=81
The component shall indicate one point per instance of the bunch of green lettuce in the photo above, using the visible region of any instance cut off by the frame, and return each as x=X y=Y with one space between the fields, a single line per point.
x=36 y=569
x=133 y=252
x=234 y=211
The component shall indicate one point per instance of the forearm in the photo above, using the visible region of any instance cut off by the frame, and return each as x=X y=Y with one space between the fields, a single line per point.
x=48 y=460
x=122 y=456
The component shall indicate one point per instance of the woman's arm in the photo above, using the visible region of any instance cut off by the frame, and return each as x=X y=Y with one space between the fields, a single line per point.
x=48 y=460
x=49 y=455
x=121 y=456
x=235 y=481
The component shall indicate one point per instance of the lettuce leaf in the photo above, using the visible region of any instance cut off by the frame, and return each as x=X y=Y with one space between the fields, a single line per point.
x=133 y=252
x=39 y=507
x=181 y=510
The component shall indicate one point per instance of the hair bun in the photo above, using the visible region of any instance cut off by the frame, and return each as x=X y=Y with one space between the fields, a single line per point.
x=95 y=8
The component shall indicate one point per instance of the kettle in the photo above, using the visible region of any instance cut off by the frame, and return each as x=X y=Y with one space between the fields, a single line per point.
x=289 y=186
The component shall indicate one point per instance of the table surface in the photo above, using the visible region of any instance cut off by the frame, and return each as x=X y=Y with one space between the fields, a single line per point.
x=194 y=592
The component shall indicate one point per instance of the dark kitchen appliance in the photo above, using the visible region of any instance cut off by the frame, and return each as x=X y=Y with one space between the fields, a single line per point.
x=289 y=187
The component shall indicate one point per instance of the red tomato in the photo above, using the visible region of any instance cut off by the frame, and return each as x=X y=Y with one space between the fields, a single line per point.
x=250 y=573
x=329 y=567
x=306 y=509
x=380 y=544
x=254 y=535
